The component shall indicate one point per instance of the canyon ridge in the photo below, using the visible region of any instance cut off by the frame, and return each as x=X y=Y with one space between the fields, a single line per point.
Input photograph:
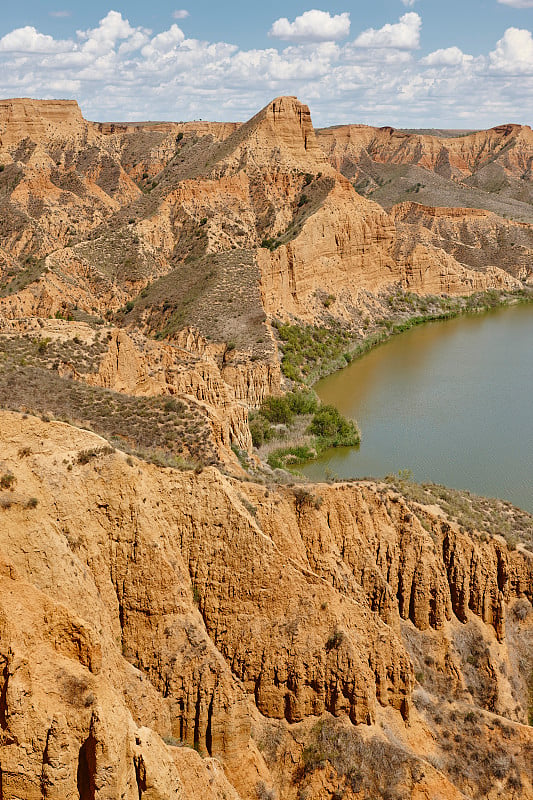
x=181 y=616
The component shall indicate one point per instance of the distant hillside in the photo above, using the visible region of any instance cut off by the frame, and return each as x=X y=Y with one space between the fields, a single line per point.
x=473 y=169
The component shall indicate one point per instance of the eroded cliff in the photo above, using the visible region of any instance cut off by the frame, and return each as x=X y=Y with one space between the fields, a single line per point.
x=95 y=216
x=143 y=610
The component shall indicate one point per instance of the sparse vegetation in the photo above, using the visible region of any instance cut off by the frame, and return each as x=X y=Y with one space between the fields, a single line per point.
x=335 y=640
x=198 y=292
x=265 y=792
x=251 y=509
x=305 y=428
x=370 y=767
x=485 y=516
x=196 y=596
x=26 y=273
x=84 y=456
x=310 y=352
x=167 y=431
x=172 y=741
x=7 y=480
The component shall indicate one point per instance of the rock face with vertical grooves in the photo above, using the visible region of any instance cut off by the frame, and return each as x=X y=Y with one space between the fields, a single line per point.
x=143 y=608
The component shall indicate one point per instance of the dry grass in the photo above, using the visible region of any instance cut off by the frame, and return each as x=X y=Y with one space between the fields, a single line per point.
x=372 y=767
x=218 y=294
x=21 y=276
x=118 y=256
x=389 y=184
x=41 y=351
x=476 y=749
x=486 y=516
x=163 y=430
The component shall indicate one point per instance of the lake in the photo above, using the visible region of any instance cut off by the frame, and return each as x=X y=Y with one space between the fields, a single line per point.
x=452 y=401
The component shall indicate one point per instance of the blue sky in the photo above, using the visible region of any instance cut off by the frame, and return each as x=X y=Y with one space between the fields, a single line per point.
x=400 y=62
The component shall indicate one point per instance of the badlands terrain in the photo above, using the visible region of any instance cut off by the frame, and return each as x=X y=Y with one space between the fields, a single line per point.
x=180 y=616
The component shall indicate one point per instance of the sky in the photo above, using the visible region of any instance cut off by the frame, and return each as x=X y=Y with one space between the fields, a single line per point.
x=406 y=63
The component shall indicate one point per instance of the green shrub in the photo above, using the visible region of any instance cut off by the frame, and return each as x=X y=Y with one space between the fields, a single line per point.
x=302 y=402
x=335 y=640
x=290 y=369
x=309 y=350
x=287 y=456
x=260 y=430
x=174 y=405
x=281 y=410
x=328 y=423
x=270 y=243
x=277 y=410
x=7 y=480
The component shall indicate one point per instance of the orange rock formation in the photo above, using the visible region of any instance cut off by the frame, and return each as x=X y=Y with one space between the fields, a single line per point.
x=138 y=604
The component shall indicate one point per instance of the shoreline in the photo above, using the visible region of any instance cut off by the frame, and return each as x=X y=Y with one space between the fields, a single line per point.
x=291 y=454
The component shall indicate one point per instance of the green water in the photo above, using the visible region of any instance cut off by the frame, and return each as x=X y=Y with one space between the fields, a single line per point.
x=452 y=401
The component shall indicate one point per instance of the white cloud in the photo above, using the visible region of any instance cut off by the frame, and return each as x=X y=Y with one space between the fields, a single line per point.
x=514 y=53
x=312 y=26
x=517 y=3
x=111 y=28
x=403 y=35
x=447 y=57
x=409 y=3
x=29 y=40
x=180 y=13
x=120 y=71
x=164 y=42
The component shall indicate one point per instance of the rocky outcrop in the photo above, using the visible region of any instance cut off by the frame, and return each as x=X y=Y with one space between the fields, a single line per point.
x=362 y=538
x=351 y=245
x=451 y=156
x=474 y=237
x=140 y=603
x=39 y=120
x=107 y=209
x=146 y=613
x=140 y=367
